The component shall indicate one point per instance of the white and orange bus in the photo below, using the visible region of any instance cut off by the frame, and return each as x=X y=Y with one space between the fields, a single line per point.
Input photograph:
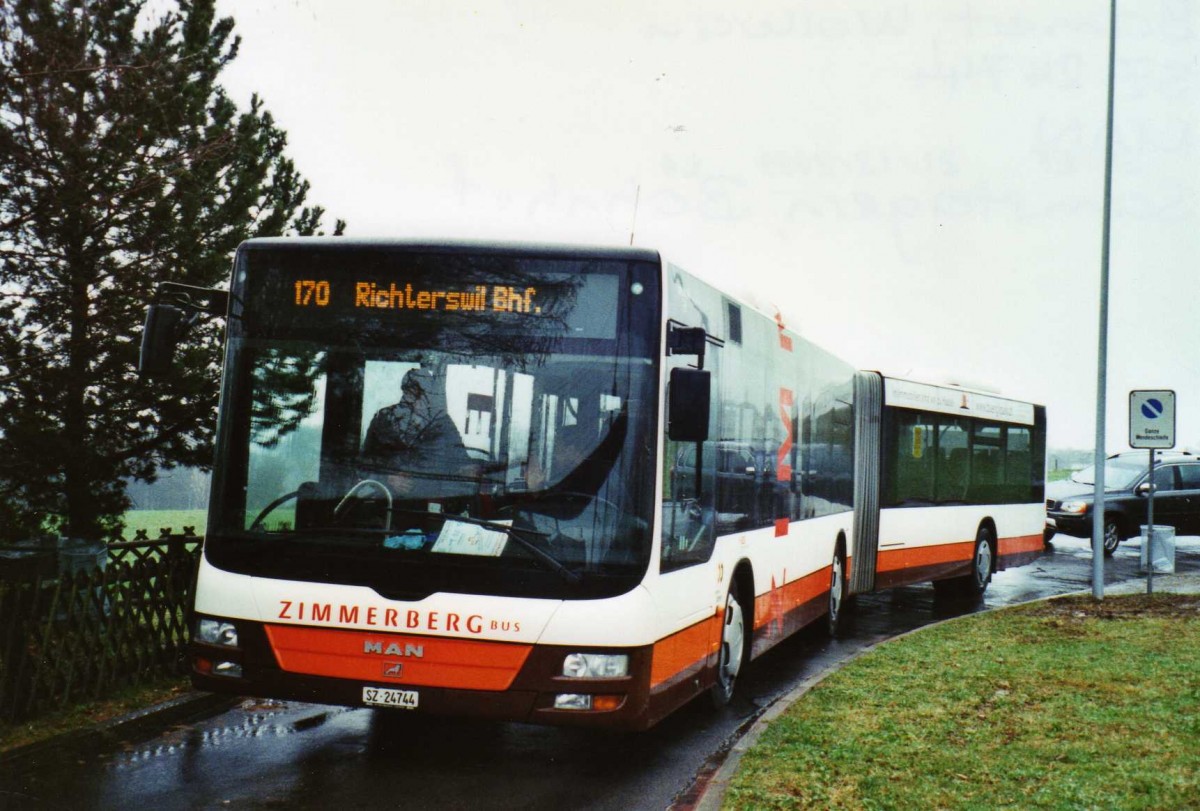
x=560 y=485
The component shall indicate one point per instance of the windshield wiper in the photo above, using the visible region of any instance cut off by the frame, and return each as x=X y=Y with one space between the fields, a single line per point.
x=523 y=537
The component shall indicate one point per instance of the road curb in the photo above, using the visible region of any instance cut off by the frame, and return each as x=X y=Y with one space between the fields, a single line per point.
x=714 y=784
x=192 y=706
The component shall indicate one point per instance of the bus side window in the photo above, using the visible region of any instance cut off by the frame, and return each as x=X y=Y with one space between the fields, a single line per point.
x=1018 y=459
x=912 y=476
x=953 y=460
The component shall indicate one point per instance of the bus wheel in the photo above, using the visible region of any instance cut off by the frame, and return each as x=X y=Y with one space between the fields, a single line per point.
x=1112 y=536
x=733 y=648
x=982 y=564
x=838 y=603
x=971 y=586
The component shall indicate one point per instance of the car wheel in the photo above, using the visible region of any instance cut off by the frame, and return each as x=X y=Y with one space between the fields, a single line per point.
x=838 y=603
x=733 y=648
x=1112 y=536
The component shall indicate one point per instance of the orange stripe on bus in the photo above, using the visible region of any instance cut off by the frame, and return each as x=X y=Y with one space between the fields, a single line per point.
x=775 y=605
x=685 y=650
x=1024 y=543
x=891 y=560
x=467 y=664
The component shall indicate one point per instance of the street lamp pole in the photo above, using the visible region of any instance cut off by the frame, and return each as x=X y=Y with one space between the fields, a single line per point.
x=1102 y=361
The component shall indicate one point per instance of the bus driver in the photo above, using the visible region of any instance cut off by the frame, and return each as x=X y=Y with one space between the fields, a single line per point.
x=414 y=445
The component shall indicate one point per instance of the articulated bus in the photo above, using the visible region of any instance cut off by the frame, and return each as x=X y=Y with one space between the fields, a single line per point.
x=559 y=485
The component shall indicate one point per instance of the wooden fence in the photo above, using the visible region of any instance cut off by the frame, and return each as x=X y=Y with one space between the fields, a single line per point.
x=96 y=625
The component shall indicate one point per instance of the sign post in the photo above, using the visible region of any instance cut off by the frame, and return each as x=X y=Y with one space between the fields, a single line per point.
x=1151 y=426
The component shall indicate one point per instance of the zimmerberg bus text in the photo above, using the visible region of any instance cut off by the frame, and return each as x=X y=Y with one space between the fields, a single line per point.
x=376 y=617
x=503 y=298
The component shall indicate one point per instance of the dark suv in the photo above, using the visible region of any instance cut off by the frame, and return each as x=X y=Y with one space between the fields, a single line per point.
x=1126 y=486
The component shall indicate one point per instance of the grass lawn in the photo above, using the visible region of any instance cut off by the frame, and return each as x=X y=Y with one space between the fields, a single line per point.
x=1062 y=704
x=154 y=520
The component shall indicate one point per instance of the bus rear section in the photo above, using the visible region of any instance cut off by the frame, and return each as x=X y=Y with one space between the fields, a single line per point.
x=950 y=485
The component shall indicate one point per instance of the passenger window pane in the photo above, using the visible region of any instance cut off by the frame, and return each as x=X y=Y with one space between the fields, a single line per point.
x=913 y=459
x=1018 y=464
x=1164 y=479
x=953 y=468
x=987 y=455
x=1189 y=477
x=987 y=465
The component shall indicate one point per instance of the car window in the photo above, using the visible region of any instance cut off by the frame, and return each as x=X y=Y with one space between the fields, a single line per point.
x=1118 y=474
x=1189 y=477
x=1164 y=479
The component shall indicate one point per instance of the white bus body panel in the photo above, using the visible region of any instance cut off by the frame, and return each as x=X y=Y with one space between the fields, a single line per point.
x=915 y=527
x=333 y=605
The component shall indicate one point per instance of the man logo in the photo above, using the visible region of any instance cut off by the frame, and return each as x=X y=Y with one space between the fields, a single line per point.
x=393 y=669
x=394 y=649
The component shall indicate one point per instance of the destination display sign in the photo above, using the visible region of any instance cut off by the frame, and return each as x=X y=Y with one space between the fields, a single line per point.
x=543 y=299
x=393 y=296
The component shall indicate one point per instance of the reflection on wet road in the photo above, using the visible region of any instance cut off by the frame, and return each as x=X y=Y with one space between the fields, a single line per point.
x=274 y=754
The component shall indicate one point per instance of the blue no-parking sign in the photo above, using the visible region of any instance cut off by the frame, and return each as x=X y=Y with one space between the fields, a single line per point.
x=1152 y=419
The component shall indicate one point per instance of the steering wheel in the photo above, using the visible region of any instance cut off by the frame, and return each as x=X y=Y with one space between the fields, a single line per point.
x=257 y=523
x=387 y=493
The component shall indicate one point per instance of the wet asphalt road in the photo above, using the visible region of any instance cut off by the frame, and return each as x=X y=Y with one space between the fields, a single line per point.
x=300 y=756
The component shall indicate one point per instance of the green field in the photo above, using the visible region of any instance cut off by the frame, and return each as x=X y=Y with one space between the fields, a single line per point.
x=1062 y=704
x=154 y=520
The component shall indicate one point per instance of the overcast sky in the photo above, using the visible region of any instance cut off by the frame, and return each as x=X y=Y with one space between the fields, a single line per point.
x=918 y=186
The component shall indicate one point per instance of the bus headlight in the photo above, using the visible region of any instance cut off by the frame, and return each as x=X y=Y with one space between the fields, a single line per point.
x=217 y=632
x=1075 y=507
x=588 y=703
x=596 y=665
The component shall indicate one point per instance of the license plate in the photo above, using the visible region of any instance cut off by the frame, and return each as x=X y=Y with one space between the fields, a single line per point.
x=387 y=697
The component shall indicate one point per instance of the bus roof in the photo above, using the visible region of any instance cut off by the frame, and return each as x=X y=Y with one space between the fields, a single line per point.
x=947 y=385
x=453 y=246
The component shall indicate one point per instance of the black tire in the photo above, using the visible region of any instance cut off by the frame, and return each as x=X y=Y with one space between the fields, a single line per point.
x=732 y=654
x=839 y=602
x=1112 y=535
x=983 y=565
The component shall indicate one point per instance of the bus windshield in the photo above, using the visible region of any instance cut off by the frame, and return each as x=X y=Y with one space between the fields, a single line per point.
x=425 y=422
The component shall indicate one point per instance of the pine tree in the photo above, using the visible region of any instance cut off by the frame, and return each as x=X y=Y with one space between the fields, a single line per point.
x=123 y=164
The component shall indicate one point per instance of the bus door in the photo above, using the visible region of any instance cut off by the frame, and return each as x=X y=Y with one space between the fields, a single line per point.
x=689 y=587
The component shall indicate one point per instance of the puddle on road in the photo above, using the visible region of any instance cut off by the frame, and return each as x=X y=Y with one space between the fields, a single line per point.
x=260 y=718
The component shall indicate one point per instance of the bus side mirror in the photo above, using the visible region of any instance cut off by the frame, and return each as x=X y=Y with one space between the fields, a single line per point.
x=689 y=393
x=163 y=328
